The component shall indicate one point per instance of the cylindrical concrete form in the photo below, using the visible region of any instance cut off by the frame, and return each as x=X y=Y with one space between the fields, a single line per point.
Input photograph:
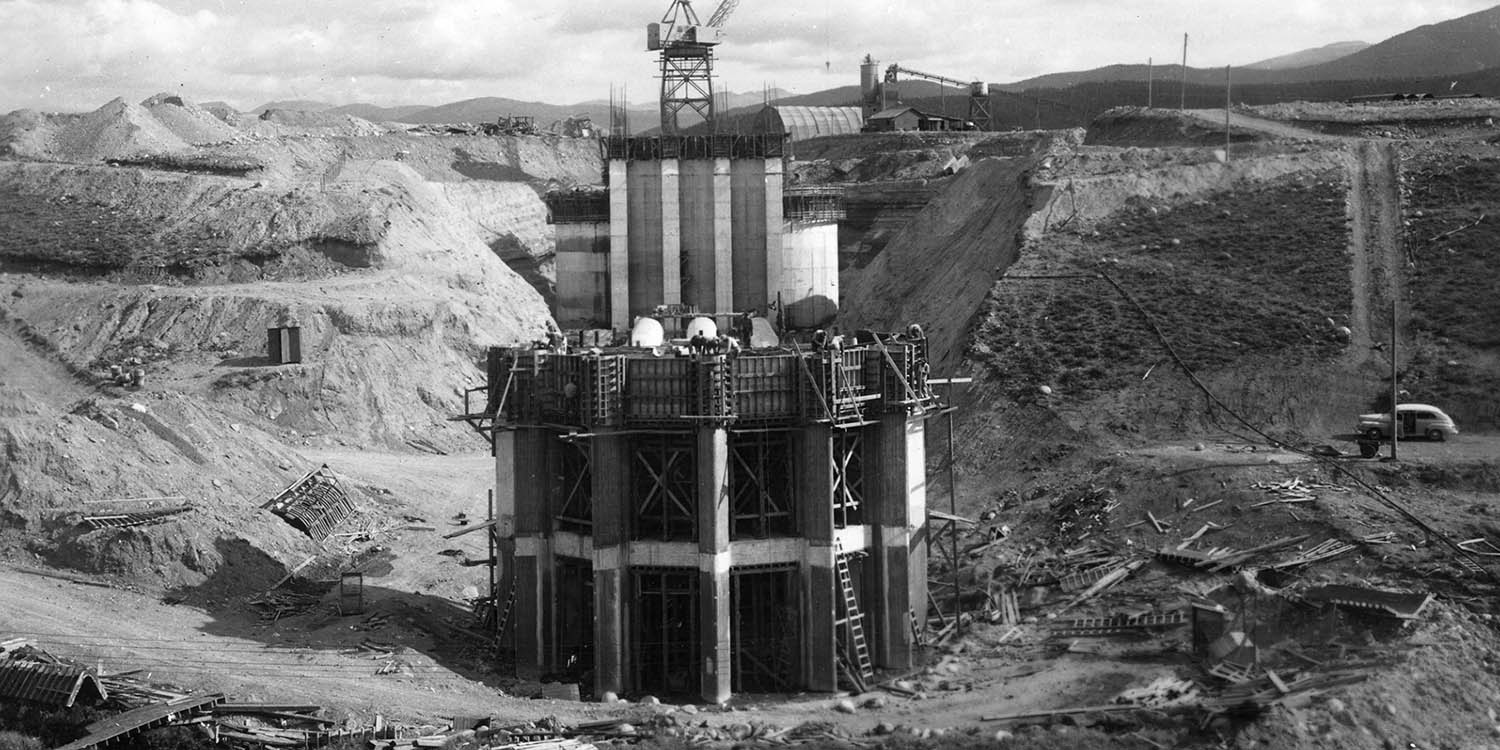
x=869 y=85
x=808 y=285
x=689 y=225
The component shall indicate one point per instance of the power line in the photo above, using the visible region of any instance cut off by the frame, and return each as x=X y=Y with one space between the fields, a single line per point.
x=1214 y=400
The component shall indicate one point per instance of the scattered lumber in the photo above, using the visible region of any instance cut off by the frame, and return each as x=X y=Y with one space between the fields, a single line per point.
x=1060 y=712
x=1322 y=551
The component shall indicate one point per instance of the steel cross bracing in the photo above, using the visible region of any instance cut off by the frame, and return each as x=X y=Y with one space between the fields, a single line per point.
x=663 y=481
x=760 y=483
x=848 y=478
x=686 y=84
x=575 y=511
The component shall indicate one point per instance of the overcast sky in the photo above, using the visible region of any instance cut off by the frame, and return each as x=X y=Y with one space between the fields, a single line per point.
x=74 y=55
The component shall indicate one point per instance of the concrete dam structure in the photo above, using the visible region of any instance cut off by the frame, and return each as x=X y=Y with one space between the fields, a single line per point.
x=706 y=222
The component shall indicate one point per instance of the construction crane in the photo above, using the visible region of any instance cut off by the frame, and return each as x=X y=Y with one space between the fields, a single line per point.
x=979 y=91
x=687 y=59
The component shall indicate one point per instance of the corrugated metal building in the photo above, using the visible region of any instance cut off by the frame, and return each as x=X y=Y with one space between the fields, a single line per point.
x=808 y=122
x=54 y=685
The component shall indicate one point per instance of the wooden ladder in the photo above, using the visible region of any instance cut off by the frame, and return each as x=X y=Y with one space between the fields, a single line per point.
x=510 y=606
x=853 y=621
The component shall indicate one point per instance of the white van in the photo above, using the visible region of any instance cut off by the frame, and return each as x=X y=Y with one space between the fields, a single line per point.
x=1416 y=419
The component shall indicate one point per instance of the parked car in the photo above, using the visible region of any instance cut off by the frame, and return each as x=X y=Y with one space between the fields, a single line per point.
x=1416 y=419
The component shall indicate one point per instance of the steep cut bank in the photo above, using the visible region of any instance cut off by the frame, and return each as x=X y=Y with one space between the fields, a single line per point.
x=938 y=269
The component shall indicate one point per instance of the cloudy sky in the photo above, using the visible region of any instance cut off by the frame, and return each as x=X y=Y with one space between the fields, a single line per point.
x=73 y=55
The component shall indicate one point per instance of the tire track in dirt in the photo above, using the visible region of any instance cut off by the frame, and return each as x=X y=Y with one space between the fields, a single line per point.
x=1374 y=244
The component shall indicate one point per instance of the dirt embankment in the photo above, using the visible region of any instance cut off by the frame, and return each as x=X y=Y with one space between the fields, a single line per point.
x=120 y=241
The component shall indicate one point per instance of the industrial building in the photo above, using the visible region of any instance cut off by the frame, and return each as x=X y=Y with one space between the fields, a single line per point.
x=910 y=118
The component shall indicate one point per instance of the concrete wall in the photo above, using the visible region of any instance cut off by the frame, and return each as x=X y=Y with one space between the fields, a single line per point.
x=809 y=281
x=707 y=232
x=748 y=201
x=696 y=210
x=644 y=251
x=583 y=293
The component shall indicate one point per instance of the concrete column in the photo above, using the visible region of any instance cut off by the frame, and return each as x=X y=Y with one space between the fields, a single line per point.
x=505 y=483
x=504 y=530
x=748 y=233
x=774 y=186
x=533 y=523
x=611 y=460
x=696 y=211
x=619 y=245
x=671 y=232
x=723 y=238
x=820 y=640
x=900 y=513
x=645 y=235
x=532 y=482
x=814 y=473
x=713 y=563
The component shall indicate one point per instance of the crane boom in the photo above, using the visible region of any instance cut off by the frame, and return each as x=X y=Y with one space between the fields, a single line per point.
x=721 y=14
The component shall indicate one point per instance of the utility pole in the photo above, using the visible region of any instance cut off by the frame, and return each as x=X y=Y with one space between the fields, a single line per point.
x=1395 y=425
x=1182 y=103
x=1150 y=80
x=1226 y=113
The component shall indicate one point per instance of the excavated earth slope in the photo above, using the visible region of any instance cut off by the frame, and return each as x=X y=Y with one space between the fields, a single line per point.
x=160 y=234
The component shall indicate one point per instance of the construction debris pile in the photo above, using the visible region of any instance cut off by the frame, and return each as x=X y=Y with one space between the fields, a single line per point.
x=31 y=677
x=1249 y=626
x=314 y=504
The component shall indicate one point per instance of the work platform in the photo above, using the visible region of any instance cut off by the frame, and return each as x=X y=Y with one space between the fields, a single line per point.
x=699 y=522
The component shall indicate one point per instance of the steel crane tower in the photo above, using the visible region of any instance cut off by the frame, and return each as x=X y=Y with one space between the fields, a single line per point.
x=979 y=92
x=687 y=59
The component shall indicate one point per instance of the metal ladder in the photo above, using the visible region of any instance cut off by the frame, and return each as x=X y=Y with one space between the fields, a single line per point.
x=853 y=621
x=608 y=383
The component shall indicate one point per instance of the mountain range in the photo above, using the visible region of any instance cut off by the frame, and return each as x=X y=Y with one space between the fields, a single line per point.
x=490 y=108
x=1461 y=55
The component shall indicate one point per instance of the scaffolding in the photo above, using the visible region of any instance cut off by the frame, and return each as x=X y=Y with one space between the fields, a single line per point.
x=688 y=522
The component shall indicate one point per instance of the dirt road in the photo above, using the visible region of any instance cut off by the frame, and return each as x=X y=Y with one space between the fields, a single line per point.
x=1375 y=243
x=1260 y=125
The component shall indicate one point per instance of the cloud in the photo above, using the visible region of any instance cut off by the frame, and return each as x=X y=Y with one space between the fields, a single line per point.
x=77 y=54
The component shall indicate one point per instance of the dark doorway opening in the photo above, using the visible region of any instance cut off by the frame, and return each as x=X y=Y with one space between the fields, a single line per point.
x=765 y=636
x=575 y=620
x=665 y=631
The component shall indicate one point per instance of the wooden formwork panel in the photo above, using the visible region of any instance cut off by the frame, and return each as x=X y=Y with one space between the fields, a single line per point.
x=659 y=390
x=766 y=388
